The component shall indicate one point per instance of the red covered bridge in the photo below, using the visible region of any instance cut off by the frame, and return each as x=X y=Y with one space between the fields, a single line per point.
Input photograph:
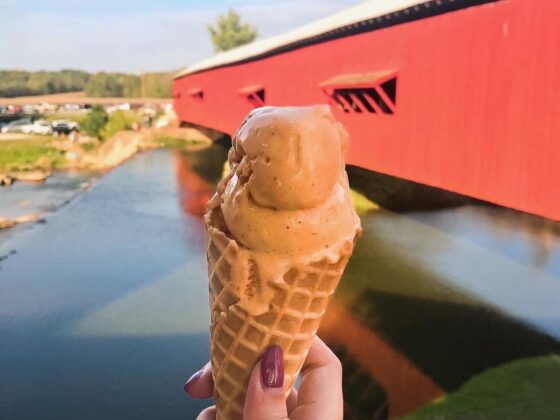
x=462 y=95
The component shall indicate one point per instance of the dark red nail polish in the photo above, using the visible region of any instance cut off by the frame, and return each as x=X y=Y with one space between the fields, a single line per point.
x=272 y=368
x=192 y=379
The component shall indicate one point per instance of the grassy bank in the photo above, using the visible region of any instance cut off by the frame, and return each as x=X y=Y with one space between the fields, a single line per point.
x=361 y=203
x=523 y=389
x=37 y=152
x=31 y=153
x=176 y=142
x=69 y=116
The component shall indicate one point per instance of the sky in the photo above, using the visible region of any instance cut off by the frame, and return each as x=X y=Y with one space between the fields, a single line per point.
x=134 y=35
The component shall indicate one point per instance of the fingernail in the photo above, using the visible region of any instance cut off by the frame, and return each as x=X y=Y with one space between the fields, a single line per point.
x=192 y=379
x=272 y=368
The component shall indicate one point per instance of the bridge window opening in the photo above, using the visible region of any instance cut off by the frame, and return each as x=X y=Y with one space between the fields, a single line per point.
x=257 y=98
x=339 y=103
x=364 y=101
x=361 y=100
x=374 y=96
x=197 y=94
x=349 y=99
x=254 y=94
x=390 y=89
x=356 y=95
x=260 y=94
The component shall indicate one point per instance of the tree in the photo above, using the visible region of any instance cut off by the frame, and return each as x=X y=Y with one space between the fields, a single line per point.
x=230 y=32
x=104 y=84
x=95 y=120
x=118 y=121
x=157 y=85
x=19 y=82
x=150 y=85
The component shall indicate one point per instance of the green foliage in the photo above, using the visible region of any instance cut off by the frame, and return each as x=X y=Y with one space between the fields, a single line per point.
x=95 y=120
x=147 y=85
x=118 y=121
x=230 y=32
x=102 y=125
x=23 y=154
x=523 y=389
x=104 y=84
x=78 y=117
x=176 y=142
x=131 y=86
x=89 y=147
x=23 y=83
x=156 y=85
x=361 y=203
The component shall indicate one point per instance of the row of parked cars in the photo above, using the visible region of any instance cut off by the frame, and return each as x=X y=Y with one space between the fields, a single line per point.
x=27 y=126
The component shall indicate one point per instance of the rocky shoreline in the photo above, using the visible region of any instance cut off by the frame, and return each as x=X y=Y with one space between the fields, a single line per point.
x=38 y=175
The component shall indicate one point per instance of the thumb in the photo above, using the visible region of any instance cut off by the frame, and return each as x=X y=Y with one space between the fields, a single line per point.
x=265 y=398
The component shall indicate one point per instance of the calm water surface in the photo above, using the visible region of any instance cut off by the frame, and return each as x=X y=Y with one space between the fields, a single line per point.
x=40 y=199
x=103 y=308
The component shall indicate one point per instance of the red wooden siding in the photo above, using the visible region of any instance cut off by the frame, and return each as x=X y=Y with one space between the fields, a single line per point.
x=476 y=108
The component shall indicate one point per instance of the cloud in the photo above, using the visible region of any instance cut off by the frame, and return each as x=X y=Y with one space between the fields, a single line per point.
x=168 y=38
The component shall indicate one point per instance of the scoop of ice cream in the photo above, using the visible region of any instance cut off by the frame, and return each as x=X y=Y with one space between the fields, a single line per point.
x=293 y=154
x=288 y=191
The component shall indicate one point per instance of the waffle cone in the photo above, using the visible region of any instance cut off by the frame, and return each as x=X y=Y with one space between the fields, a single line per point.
x=239 y=339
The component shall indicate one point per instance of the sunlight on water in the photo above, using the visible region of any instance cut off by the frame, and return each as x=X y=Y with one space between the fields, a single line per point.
x=516 y=286
x=139 y=313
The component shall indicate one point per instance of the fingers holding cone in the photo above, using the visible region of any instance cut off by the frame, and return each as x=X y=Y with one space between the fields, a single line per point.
x=319 y=395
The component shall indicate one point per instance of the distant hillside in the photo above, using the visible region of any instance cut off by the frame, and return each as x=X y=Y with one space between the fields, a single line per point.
x=25 y=83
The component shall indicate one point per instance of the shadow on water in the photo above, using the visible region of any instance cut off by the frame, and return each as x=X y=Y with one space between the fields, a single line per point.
x=450 y=341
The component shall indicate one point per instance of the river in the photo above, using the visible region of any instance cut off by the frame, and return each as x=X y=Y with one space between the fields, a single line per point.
x=103 y=305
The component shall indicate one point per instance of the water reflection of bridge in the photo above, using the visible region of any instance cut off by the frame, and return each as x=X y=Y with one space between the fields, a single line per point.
x=403 y=386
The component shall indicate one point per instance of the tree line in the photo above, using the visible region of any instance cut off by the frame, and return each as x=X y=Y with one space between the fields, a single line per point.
x=102 y=84
x=227 y=33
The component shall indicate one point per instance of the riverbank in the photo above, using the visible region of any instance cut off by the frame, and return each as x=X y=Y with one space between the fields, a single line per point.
x=33 y=159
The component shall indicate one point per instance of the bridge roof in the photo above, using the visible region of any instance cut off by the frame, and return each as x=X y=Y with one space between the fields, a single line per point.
x=338 y=24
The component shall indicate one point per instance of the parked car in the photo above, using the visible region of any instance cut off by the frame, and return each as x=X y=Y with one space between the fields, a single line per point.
x=68 y=128
x=18 y=126
x=41 y=127
x=71 y=124
x=60 y=129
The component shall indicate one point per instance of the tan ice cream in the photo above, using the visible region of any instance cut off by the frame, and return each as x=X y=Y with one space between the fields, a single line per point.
x=286 y=199
x=280 y=230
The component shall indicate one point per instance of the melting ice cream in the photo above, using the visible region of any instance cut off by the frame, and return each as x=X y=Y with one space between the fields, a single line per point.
x=285 y=201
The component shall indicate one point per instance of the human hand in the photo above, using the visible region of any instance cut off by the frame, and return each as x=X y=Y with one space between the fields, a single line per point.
x=319 y=395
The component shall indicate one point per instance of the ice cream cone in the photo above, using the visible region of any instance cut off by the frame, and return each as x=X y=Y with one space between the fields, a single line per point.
x=240 y=339
x=280 y=230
